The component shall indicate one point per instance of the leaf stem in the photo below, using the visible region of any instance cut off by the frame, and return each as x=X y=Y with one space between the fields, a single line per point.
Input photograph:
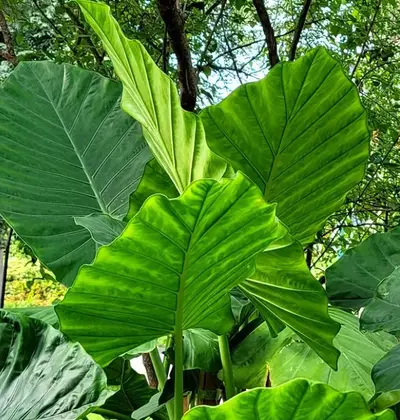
x=159 y=368
x=161 y=377
x=178 y=372
x=226 y=366
x=112 y=414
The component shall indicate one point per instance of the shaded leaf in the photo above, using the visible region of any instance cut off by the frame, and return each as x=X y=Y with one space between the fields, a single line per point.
x=134 y=390
x=201 y=350
x=284 y=291
x=352 y=281
x=386 y=377
x=67 y=150
x=155 y=180
x=102 y=227
x=250 y=357
x=357 y=357
x=42 y=376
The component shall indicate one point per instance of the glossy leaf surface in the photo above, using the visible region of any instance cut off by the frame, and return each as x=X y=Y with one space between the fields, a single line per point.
x=42 y=376
x=295 y=400
x=300 y=133
x=176 y=137
x=66 y=150
x=172 y=268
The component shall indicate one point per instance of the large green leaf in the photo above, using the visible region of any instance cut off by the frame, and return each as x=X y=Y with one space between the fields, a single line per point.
x=295 y=400
x=300 y=133
x=134 y=390
x=42 y=376
x=358 y=356
x=283 y=290
x=175 y=137
x=386 y=377
x=66 y=150
x=250 y=357
x=367 y=276
x=352 y=281
x=171 y=268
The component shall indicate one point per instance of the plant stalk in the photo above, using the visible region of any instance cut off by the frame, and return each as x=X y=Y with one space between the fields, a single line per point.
x=226 y=366
x=178 y=373
x=162 y=378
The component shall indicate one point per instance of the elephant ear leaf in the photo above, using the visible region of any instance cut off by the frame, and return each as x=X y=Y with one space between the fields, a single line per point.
x=55 y=379
x=66 y=150
x=171 y=269
x=300 y=133
x=295 y=400
x=176 y=137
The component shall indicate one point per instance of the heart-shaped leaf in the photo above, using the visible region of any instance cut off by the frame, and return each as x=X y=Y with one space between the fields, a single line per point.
x=66 y=150
x=171 y=269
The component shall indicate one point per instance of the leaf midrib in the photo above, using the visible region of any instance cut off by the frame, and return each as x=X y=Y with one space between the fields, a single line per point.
x=100 y=200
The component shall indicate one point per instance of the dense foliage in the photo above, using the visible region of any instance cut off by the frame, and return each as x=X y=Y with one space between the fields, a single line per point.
x=198 y=233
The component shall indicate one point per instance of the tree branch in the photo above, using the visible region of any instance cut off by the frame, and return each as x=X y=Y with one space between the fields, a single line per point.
x=9 y=54
x=174 y=21
x=99 y=58
x=268 y=31
x=378 y=5
x=299 y=28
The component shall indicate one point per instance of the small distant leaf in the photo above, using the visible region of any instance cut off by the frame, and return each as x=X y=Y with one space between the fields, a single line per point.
x=201 y=350
x=134 y=391
x=102 y=227
x=251 y=356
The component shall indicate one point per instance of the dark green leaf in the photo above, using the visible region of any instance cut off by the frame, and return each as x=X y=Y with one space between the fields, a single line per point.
x=67 y=150
x=42 y=376
x=102 y=227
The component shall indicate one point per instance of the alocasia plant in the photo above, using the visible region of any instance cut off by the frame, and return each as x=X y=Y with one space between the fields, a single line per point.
x=189 y=243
